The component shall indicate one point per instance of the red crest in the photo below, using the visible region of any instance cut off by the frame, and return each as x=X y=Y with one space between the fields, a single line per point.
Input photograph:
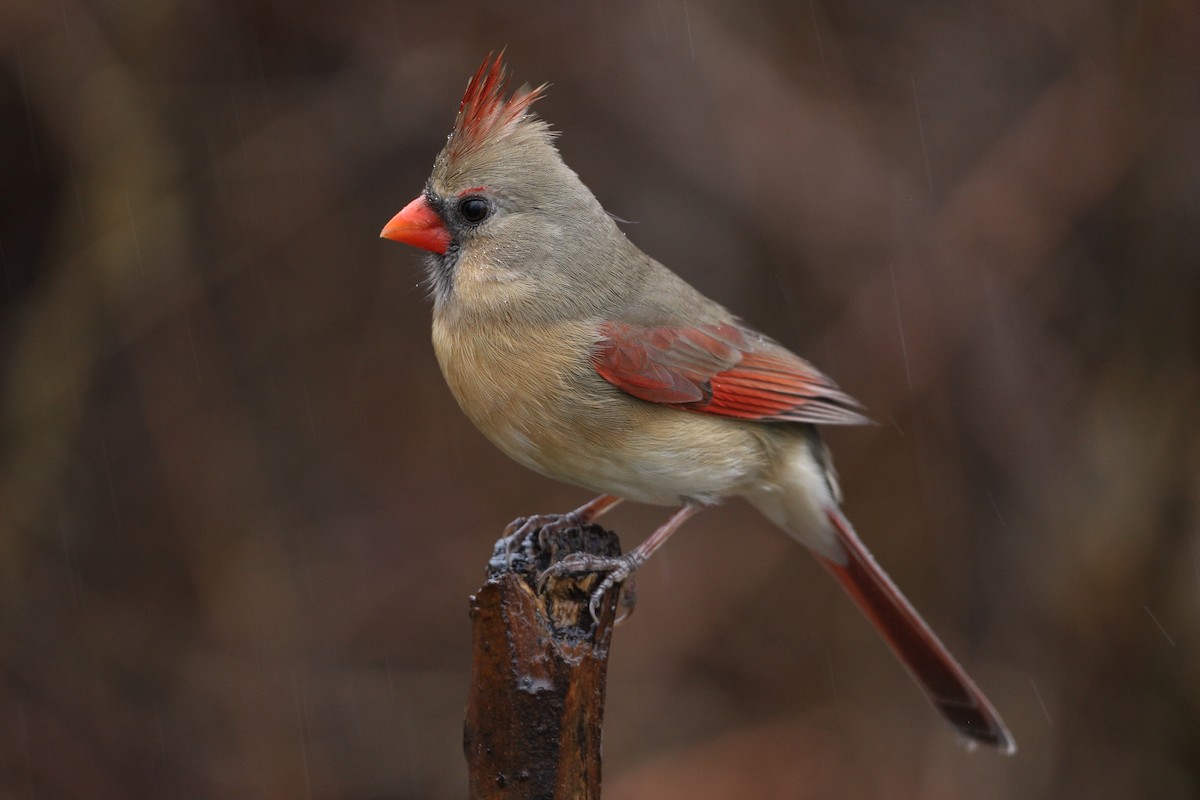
x=484 y=113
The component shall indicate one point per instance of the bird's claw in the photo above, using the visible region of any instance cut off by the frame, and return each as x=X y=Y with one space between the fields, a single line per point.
x=520 y=529
x=618 y=569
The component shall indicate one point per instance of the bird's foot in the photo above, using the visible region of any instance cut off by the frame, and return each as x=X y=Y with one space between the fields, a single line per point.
x=618 y=569
x=520 y=529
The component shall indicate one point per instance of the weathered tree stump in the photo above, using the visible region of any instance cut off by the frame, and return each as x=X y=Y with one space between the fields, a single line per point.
x=536 y=703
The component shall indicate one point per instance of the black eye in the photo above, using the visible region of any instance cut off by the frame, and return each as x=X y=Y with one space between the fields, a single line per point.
x=474 y=209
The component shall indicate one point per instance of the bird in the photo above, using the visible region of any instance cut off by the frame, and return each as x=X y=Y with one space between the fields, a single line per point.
x=588 y=361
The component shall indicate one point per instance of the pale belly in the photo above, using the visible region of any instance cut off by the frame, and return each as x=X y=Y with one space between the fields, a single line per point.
x=662 y=456
x=566 y=422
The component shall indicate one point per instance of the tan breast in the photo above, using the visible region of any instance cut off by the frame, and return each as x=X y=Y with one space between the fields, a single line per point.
x=520 y=387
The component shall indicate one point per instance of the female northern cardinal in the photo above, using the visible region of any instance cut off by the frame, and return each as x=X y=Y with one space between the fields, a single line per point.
x=586 y=360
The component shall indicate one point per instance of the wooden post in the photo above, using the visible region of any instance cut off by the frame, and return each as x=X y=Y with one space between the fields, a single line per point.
x=536 y=702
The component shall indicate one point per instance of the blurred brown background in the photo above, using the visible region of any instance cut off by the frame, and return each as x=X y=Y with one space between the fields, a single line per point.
x=240 y=514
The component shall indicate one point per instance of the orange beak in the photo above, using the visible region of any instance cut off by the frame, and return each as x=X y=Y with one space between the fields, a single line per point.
x=419 y=225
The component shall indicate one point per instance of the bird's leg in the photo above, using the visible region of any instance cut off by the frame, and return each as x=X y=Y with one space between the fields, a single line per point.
x=621 y=568
x=520 y=528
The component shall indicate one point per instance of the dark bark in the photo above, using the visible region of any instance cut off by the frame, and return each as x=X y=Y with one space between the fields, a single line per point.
x=536 y=702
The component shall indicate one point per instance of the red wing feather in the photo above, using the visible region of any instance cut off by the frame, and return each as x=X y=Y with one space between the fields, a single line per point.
x=719 y=369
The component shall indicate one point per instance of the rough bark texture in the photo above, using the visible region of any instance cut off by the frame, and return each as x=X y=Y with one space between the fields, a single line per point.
x=536 y=702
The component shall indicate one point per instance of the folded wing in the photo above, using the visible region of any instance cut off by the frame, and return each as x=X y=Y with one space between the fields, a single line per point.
x=722 y=369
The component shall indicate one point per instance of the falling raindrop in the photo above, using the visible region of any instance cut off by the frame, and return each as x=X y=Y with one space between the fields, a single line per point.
x=900 y=327
x=1041 y=702
x=921 y=130
x=1160 y=625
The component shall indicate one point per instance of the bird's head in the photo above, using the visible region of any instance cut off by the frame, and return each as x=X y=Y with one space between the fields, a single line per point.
x=502 y=216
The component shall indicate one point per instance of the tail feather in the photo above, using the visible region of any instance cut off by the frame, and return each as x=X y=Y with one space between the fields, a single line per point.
x=947 y=685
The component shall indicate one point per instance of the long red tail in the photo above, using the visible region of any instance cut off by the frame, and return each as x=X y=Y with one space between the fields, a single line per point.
x=946 y=683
